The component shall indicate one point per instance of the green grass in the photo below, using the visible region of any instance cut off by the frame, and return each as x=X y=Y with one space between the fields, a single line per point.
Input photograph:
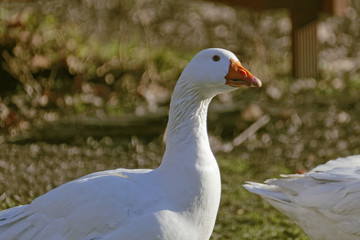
x=243 y=215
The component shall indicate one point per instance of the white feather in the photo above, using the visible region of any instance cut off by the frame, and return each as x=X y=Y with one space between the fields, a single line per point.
x=325 y=202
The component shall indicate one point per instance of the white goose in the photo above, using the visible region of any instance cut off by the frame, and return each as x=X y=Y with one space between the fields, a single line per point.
x=178 y=200
x=325 y=202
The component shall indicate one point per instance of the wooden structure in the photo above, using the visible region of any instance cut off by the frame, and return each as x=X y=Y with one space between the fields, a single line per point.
x=304 y=15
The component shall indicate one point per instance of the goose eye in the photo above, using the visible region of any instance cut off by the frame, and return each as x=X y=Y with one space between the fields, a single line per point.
x=216 y=58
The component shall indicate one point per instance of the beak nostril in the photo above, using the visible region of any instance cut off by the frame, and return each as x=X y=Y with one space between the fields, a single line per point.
x=243 y=72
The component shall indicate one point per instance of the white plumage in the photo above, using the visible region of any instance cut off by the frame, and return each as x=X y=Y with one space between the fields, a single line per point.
x=177 y=201
x=325 y=202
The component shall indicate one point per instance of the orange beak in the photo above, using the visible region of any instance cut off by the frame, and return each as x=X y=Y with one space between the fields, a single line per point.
x=239 y=76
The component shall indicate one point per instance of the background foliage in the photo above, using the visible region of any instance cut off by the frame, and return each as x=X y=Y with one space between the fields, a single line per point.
x=109 y=58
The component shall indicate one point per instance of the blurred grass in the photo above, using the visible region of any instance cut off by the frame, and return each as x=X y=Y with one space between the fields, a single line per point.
x=243 y=215
x=71 y=58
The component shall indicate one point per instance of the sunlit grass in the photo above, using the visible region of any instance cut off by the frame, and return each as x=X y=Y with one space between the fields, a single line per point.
x=243 y=215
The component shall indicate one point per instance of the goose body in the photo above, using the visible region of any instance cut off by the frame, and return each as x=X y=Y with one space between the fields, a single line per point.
x=178 y=200
x=325 y=202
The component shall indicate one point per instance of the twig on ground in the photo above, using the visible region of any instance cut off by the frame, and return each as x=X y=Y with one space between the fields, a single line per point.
x=251 y=130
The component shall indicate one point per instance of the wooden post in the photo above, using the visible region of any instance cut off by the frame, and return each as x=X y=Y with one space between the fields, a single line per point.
x=304 y=38
x=304 y=14
x=305 y=48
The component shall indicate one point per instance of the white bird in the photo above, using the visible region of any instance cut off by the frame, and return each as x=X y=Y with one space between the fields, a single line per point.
x=177 y=201
x=325 y=202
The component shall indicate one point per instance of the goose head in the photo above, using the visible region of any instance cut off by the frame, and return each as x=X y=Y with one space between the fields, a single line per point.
x=213 y=71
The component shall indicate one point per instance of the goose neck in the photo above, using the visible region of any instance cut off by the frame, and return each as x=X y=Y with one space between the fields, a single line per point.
x=187 y=119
